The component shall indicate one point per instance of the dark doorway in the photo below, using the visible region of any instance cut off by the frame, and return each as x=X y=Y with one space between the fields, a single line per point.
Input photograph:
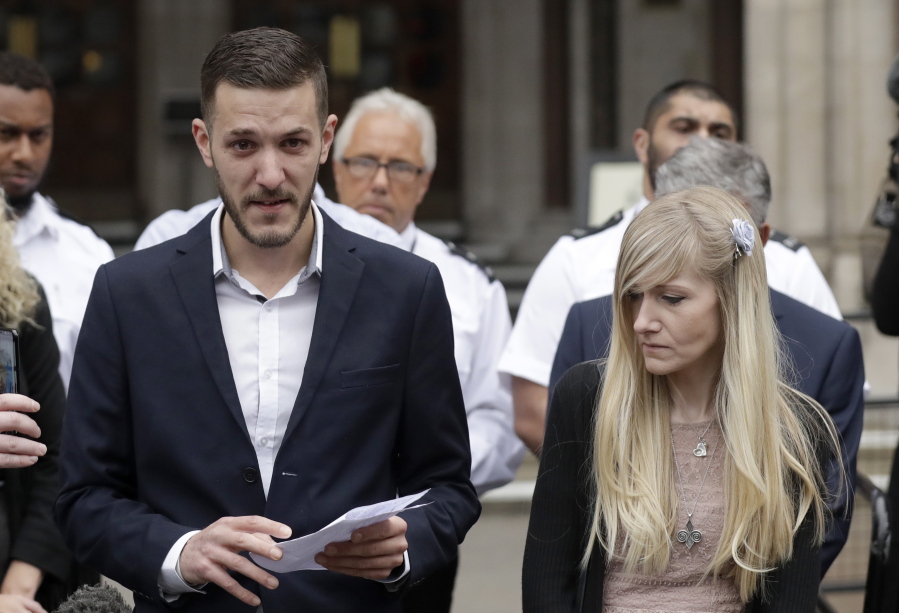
x=89 y=47
x=411 y=46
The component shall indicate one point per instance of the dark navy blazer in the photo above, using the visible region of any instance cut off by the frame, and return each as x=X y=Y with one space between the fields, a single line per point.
x=827 y=357
x=155 y=443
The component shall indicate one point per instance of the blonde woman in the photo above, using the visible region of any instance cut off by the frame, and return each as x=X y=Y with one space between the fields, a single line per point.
x=35 y=565
x=682 y=474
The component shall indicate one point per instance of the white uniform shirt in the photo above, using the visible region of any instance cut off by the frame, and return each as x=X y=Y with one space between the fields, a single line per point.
x=579 y=269
x=176 y=222
x=63 y=255
x=481 y=325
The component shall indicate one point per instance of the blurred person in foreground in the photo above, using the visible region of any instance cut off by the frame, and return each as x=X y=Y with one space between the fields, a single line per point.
x=62 y=254
x=385 y=152
x=37 y=568
x=885 y=290
x=581 y=266
x=631 y=510
x=262 y=375
x=885 y=308
x=825 y=354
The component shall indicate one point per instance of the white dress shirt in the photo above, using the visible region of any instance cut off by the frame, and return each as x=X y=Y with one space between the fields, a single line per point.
x=267 y=372
x=481 y=326
x=177 y=222
x=63 y=255
x=579 y=269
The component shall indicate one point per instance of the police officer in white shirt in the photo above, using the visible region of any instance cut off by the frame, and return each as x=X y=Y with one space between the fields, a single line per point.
x=581 y=266
x=177 y=222
x=384 y=157
x=62 y=254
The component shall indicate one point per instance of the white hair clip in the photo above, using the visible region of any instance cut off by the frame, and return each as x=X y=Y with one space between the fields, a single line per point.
x=744 y=237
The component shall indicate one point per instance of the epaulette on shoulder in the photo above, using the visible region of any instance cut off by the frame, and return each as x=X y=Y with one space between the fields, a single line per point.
x=790 y=242
x=614 y=220
x=469 y=256
x=66 y=215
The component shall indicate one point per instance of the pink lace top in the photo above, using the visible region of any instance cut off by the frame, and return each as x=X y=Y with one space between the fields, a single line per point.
x=678 y=589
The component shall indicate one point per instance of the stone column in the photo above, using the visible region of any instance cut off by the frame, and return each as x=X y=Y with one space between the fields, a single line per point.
x=175 y=38
x=501 y=118
x=818 y=112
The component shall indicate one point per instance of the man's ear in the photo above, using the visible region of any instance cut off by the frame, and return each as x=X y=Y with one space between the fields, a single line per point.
x=765 y=232
x=327 y=138
x=641 y=145
x=203 y=138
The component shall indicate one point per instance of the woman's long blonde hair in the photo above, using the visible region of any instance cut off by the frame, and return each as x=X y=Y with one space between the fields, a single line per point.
x=773 y=478
x=18 y=290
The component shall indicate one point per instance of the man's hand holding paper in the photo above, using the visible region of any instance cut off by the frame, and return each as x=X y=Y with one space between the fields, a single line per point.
x=368 y=542
x=371 y=553
x=211 y=553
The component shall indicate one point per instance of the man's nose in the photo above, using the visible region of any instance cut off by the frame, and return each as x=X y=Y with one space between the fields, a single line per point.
x=270 y=173
x=23 y=149
x=380 y=182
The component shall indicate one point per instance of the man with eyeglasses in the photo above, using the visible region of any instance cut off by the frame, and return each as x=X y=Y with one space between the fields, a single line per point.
x=384 y=156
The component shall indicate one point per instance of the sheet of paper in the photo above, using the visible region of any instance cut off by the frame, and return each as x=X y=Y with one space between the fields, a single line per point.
x=299 y=553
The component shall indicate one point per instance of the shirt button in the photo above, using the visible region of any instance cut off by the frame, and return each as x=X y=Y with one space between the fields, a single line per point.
x=269 y=306
x=267 y=374
x=263 y=441
x=250 y=474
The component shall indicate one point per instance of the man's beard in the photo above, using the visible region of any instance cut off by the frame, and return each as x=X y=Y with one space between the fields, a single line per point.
x=21 y=203
x=653 y=162
x=267 y=239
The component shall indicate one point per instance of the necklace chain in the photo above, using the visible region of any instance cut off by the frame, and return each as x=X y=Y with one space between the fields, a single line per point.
x=704 y=432
x=690 y=536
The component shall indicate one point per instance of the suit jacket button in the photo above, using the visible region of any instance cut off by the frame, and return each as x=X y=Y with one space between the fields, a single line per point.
x=250 y=474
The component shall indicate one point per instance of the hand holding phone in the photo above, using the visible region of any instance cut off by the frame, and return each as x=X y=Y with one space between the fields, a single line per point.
x=17 y=451
x=9 y=361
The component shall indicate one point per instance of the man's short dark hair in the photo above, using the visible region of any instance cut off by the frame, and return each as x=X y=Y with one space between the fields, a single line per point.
x=262 y=58
x=24 y=73
x=661 y=102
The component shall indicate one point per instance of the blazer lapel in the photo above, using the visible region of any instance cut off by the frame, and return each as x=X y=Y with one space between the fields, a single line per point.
x=341 y=273
x=193 y=278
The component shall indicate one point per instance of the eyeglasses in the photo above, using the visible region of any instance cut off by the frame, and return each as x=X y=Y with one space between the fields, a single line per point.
x=366 y=168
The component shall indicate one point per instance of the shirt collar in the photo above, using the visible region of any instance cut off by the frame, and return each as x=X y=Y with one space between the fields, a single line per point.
x=644 y=201
x=221 y=265
x=40 y=217
x=407 y=237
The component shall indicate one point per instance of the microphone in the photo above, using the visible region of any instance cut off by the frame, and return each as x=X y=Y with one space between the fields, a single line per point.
x=893 y=81
x=95 y=599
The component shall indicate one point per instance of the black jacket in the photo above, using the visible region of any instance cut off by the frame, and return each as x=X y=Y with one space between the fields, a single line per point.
x=885 y=295
x=29 y=493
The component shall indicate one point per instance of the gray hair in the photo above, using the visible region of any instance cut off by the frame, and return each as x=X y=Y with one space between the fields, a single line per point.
x=411 y=111
x=733 y=167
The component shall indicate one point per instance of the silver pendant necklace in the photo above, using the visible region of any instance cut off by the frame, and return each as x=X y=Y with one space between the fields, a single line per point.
x=690 y=536
x=701 y=447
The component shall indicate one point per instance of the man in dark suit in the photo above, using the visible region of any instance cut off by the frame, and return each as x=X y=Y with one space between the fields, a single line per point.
x=826 y=357
x=263 y=374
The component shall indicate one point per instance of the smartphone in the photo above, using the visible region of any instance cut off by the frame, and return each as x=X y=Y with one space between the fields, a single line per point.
x=9 y=361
